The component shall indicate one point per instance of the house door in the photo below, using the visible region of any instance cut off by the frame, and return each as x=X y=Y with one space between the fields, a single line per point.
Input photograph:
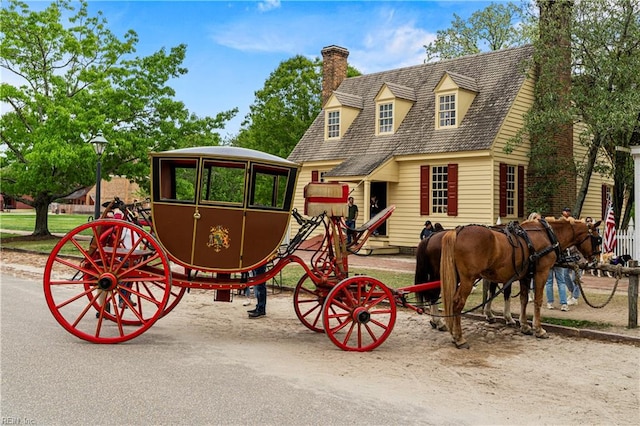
x=379 y=189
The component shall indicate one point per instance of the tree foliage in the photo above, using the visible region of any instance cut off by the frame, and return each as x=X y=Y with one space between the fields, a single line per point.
x=285 y=107
x=606 y=89
x=66 y=81
x=498 y=26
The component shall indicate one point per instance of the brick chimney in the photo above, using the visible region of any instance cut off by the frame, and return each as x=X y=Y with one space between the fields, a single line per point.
x=554 y=72
x=334 y=69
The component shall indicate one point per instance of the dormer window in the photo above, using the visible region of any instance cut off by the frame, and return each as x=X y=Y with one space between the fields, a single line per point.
x=339 y=113
x=454 y=95
x=385 y=118
x=447 y=110
x=393 y=103
x=333 y=124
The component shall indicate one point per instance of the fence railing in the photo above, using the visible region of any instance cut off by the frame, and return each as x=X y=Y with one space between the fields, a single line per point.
x=625 y=242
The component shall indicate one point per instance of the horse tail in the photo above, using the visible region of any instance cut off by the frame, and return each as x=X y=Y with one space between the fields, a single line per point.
x=448 y=275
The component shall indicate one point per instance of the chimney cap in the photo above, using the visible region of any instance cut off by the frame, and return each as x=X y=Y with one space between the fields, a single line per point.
x=333 y=48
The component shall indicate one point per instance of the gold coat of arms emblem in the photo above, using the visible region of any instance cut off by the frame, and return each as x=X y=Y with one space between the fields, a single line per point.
x=219 y=238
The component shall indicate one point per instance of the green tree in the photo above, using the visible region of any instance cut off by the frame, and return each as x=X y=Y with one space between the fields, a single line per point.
x=605 y=91
x=70 y=80
x=496 y=27
x=285 y=107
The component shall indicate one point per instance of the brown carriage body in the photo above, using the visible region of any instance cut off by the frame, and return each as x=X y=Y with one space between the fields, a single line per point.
x=233 y=214
x=223 y=211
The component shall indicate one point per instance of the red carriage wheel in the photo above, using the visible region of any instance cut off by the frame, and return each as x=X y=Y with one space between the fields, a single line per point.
x=308 y=300
x=359 y=313
x=114 y=267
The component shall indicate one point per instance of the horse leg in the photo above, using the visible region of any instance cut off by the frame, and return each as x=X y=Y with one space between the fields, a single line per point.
x=459 y=300
x=525 y=328
x=508 y=319
x=436 y=319
x=488 y=292
x=540 y=280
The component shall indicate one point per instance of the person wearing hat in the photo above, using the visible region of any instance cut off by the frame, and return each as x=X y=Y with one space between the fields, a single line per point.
x=566 y=212
x=426 y=231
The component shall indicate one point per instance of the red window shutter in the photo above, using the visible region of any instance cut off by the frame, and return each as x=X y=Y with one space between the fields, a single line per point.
x=604 y=201
x=314 y=176
x=502 y=211
x=521 y=191
x=424 y=189
x=452 y=190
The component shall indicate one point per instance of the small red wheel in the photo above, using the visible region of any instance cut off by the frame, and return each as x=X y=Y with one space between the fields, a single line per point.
x=359 y=313
x=307 y=302
x=114 y=267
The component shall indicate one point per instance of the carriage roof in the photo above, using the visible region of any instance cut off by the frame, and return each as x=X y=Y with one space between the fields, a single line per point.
x=227 y=152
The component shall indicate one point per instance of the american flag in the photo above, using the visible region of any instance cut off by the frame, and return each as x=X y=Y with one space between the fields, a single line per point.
x=610 y=239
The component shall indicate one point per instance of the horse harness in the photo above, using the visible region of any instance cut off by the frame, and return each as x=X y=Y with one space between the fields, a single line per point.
x=515 y=234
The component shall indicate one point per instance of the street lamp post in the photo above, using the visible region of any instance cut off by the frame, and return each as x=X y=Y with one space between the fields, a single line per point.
x=99 y=143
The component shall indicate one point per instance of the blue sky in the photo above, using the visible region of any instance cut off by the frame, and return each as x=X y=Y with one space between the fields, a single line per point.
x=233 y=46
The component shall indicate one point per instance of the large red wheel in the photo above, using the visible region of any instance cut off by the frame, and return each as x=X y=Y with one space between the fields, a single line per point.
x=308 y=300
x=115 y=268
x=359 y=313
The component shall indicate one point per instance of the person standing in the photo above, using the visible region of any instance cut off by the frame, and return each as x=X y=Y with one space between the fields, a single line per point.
x=374 y=209
x=260 y=291
x=561 y=275
x=426 y=231
x=352 y=216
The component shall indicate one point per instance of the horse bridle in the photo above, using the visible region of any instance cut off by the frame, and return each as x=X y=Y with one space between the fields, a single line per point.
x=596 y=240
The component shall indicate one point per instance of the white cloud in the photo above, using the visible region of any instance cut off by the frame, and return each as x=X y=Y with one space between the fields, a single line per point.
x=392 y=43
x=267 y=5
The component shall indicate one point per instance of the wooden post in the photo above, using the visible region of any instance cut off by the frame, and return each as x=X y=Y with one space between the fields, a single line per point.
x=633 y=296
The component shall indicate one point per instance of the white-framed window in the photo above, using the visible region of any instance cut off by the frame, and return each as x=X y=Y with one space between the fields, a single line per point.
x=439 y=191
x=333 y=124
x=511 y=190
x=447 y=110
x=385 y=118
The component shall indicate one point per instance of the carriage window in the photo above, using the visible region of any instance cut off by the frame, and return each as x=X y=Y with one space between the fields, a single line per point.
x=177 y=180
x=269 y=187
x=223 y=182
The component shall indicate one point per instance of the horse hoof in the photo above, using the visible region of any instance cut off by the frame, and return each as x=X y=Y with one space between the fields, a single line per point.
x=491 y=320
x=526 y=331
x=440 y=326
x=511 y=324
x=542 y=335
x=464 y=345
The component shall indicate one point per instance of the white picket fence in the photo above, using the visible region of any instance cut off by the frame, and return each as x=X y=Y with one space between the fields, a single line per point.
x=625 y=241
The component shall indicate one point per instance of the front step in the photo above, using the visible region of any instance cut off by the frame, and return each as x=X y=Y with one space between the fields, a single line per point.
x=379 y=245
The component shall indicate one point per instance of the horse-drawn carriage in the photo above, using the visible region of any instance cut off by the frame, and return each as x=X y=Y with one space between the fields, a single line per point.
x=216 y=214
x=219 y=213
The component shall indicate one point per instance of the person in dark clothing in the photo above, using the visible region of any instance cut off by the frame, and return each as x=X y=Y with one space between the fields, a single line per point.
x=351 y=219
x=260 y=291
x=427 y=230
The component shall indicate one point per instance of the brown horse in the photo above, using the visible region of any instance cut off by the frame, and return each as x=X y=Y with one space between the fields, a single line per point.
x=475 y=251
x=427 y=270
x=428 y=254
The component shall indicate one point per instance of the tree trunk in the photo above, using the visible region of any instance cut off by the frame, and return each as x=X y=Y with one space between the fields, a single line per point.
x=592 y=155
x=42 y=217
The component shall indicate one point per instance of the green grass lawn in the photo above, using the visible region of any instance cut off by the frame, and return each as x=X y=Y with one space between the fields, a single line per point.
x=26 y=221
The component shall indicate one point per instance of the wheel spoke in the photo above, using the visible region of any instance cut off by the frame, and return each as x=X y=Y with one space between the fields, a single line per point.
x=87 y=305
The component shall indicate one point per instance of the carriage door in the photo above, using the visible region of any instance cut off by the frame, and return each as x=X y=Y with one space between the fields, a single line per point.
x=217 y=241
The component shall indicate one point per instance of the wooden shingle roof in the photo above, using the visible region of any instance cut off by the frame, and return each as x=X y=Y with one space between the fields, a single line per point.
x=495 y=76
